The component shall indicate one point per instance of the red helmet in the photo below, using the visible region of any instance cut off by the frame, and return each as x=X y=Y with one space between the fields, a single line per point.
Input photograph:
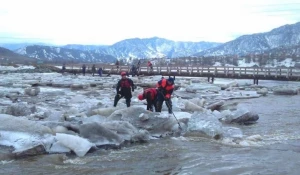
x=123 y=73
x=140 y=97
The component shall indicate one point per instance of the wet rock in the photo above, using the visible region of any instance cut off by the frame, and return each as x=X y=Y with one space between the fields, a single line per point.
x=246 y=119
x=37 y=150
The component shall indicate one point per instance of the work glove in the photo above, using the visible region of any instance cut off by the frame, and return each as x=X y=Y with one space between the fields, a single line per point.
x=167 y=97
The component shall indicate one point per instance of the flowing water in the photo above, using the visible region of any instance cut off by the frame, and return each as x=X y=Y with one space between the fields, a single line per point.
x=277 y=153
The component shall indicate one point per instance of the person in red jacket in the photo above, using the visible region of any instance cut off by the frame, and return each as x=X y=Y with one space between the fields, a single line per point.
x=150 y=95
x=165 y=90
x=124 y=88
x=150 y=65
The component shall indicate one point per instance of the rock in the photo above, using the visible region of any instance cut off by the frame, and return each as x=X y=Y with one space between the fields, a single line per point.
x=37 y=150
x=247 y=118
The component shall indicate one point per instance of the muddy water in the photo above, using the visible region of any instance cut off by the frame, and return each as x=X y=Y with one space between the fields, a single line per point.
x=278 y=152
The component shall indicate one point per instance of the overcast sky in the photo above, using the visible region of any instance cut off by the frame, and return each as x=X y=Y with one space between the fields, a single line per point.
x=106 y=22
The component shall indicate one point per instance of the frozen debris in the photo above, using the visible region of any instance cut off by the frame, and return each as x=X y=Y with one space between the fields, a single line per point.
x=32 y=91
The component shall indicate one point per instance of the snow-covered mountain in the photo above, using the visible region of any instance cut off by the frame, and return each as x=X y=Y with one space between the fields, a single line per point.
x=155 y=48
x=287 y=35
x=136 y=48
x=84 y=47
x=58 y=54
x=8 y=56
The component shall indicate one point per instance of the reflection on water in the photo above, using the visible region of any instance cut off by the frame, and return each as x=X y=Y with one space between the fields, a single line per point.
x=280 y=153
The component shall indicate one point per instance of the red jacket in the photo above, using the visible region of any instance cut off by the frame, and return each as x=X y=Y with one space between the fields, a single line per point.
x=151 y=93
x=167 y=89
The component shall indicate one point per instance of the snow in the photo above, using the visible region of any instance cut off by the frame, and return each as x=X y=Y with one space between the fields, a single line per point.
x=20 y=67
x=288 y=62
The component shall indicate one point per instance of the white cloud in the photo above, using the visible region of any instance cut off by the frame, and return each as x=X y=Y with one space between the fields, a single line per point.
x=109 y=21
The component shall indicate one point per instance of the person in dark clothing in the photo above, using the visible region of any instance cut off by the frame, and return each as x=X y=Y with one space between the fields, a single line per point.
x=117 y=64
x=93 y=69
x=150 y=95
x=124 y=88
x=83 y=69
x=165 y=90
x=133 y=71
x=138 y=65
x=100 y=71
x=63 y=69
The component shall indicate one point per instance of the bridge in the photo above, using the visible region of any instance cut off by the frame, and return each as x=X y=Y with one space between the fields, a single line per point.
x=255 y=73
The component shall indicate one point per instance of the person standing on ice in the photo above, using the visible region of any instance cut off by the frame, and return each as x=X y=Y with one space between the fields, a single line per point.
x=83 y=69
x=150 y=66
x=124 y=88
x=165 y=89
x=100 y=71
x=150 y=95
x=93 y=69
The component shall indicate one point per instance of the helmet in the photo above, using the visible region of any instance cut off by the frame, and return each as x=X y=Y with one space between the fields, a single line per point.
x=140 y=97
x=171 y=80
x=123 y=73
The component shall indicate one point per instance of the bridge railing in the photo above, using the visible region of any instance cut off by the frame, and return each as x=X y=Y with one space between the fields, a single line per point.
x=210 y=70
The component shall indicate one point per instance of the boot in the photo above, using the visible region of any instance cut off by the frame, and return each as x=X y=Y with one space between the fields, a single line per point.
x=117 y=98
x=128 y=103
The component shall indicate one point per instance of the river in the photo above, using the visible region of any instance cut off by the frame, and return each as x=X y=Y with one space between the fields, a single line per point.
x=277 y=153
